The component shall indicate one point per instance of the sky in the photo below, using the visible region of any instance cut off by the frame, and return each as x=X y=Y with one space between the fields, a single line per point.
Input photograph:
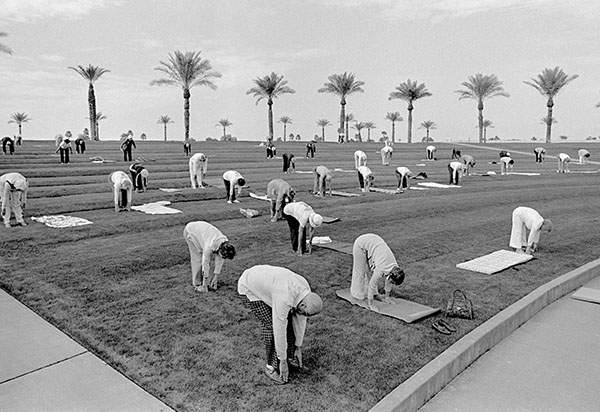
x=383 y=42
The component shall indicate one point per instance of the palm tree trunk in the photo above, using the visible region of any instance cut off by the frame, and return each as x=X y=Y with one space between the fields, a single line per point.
x=270 y=103
x=284 y=131
x=224 y=133
x=323 y=133
x=409 y=138
x=480 y=109
x=393 y=132
x=428 y=134
x=186 y=113
x=550 y=105
x=97 y=131
x=92 y=108
x=165 y=125
x=343 y=118
x=485 y=135
x=20 y=129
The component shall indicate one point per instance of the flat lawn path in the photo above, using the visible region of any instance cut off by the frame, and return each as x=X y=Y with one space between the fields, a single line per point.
x=122 y=286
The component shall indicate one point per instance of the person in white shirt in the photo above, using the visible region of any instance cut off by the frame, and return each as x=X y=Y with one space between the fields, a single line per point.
x=455 y=169
x=322 y=181
x=524 y=219
x=65 y=149
x=370 y=253
x=506 y=165
x=469 y=163
x=13 y=195
x=122 y=189
x=563 y=162
x=234 y=182
x=386 y=155
x=584 y=155
x=365 y=178
x=302 y=221
x=360 y=159
x=403 y=174
x=198 y=165
x=205 y=241
x=8 y=145
x=280 y=194
x=430 y=152
x=539 y=154
x=281 y=300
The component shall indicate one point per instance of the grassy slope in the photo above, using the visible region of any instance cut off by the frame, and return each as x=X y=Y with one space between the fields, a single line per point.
x=121 y=287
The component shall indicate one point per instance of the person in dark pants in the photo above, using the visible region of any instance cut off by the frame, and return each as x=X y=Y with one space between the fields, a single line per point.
x=187 y=147
x=455 y=169
x=539 y=154
x=79 y=145
x=289 y=162
x=139 y=177
x=271 y=150
x=302 y=221
x=281 y=300
x=311 y=149
x=19 y=140
x=126 y=148
x=233 y=180
x=8 y=144
x=65 y=149
x=280 y=194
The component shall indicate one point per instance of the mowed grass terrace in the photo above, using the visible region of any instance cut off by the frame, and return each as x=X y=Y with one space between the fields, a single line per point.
x=122 y=286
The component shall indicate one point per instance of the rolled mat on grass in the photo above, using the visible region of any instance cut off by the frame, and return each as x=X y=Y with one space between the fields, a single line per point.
x=329 y=219
x=249 y=213
x=380 y=190
x=523 y=174
x=587 y=295
x=303 y=171
x=401 y=308
x=61 y=221
x=321 y=240
x=169 y=189
x=259 y=196
x=436 y=185
x=345 y=194
x=418 y=188
x=341 y=247
x=495 y=262
x=156 y=208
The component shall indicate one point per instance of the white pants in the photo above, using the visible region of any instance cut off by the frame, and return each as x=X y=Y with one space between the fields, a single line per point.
x=360 y=273
x=13 y=203
x=359 y=161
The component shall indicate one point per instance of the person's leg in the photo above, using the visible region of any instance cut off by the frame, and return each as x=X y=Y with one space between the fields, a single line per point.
x=264 y=314
x=15 y=204
x=293 y=225
x=359 y=273
x=405 y=181
x=291 y=338
x=133 y=179
x=450 y=174
x=516 y=234
x=195 y=260
x=9 y=208
x=361 y=180
x=227 y=189
x=67 y=156
x=316 y=180
x=273 y=208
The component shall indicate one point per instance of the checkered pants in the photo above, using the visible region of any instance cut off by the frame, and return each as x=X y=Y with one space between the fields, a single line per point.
x=264 y=313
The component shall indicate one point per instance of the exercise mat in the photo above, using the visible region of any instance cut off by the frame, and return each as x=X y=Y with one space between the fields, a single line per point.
x=495 y=262
x=587 y=295
x=342 y=247
x=401 y=308
x=345 y=194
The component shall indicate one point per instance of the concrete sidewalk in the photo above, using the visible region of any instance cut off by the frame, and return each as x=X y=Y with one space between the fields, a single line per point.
x=42 y=369
x=550 y=364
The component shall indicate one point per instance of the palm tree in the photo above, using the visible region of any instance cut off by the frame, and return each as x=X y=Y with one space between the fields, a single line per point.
x=164 y=120
x=481 y=87
x=394 y=117
x=369 y=126
x=549 y=83
x=91 y=74
x=224 y=123
x=410 y=91
x=99 y=116
x=348 y=118
x=544 y=120
x=285 y=120
x=322 y=123
x=19 y=118
x=359 y=126
x=270 y=87
x=486 y=124
x=342 y=85
x=428 y=125
x=186 y=70
x=3 y=48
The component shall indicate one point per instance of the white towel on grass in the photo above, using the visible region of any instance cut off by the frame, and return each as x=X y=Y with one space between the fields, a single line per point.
x=436 y=185
x=169 y=189
x=61 y=221
x=156 y=208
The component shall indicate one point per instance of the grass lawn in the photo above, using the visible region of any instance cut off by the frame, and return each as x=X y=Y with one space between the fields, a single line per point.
x=122 y=286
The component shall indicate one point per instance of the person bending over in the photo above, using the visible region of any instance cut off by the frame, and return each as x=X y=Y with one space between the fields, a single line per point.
x=469 y=163
x=455 y=169
x=360 y=159
x=403 y=174
x=563 y=162
x=539 y=154
x=8 y=145
x=527 y=219
x=430 y=152
x=289 y=163
x=198 y=165
x=322 y=181
x=13 y=196
x=122 y=190
x=187 y=147
x=205 y=241
x=139 y=177
x=370 y=253
x=302 y=221
x=386 y=155
x=365 y=178
x=281 y=300
x=506 y=165
x=584 y=155
x=280 y=193
x=234 y=182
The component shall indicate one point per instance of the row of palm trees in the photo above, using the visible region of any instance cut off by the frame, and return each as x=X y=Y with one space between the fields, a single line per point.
x=188 y=69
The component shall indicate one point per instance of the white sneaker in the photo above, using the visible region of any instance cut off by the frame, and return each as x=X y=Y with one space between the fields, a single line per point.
x=229 y=201
x=236 y=201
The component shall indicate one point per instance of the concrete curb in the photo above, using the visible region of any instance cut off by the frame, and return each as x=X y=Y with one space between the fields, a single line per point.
x=413 y=393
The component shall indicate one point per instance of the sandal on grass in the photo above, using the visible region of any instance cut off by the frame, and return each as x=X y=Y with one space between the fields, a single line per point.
x=273 y=375
x=440 y=328
x=447 y=325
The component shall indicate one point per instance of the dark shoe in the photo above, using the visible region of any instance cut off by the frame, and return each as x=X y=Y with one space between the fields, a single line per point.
x=440 y=328
x=273 y=375
x=447 y=325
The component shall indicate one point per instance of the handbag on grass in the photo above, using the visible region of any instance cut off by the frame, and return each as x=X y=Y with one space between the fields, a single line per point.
x=459 y=306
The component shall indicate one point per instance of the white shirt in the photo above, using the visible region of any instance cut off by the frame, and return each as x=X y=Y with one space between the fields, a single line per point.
x=232 y=176
x=563 y=157
x=387 y=149
x=198 y=159
x=532 y=221
x=208 y=239
x=365 y=171
x=379 y=256
x=282 y=290
x=119 y=178
x=11 y=182
x=404 y=171
x=455 y=165
x=300 y=211
x=431 y=148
